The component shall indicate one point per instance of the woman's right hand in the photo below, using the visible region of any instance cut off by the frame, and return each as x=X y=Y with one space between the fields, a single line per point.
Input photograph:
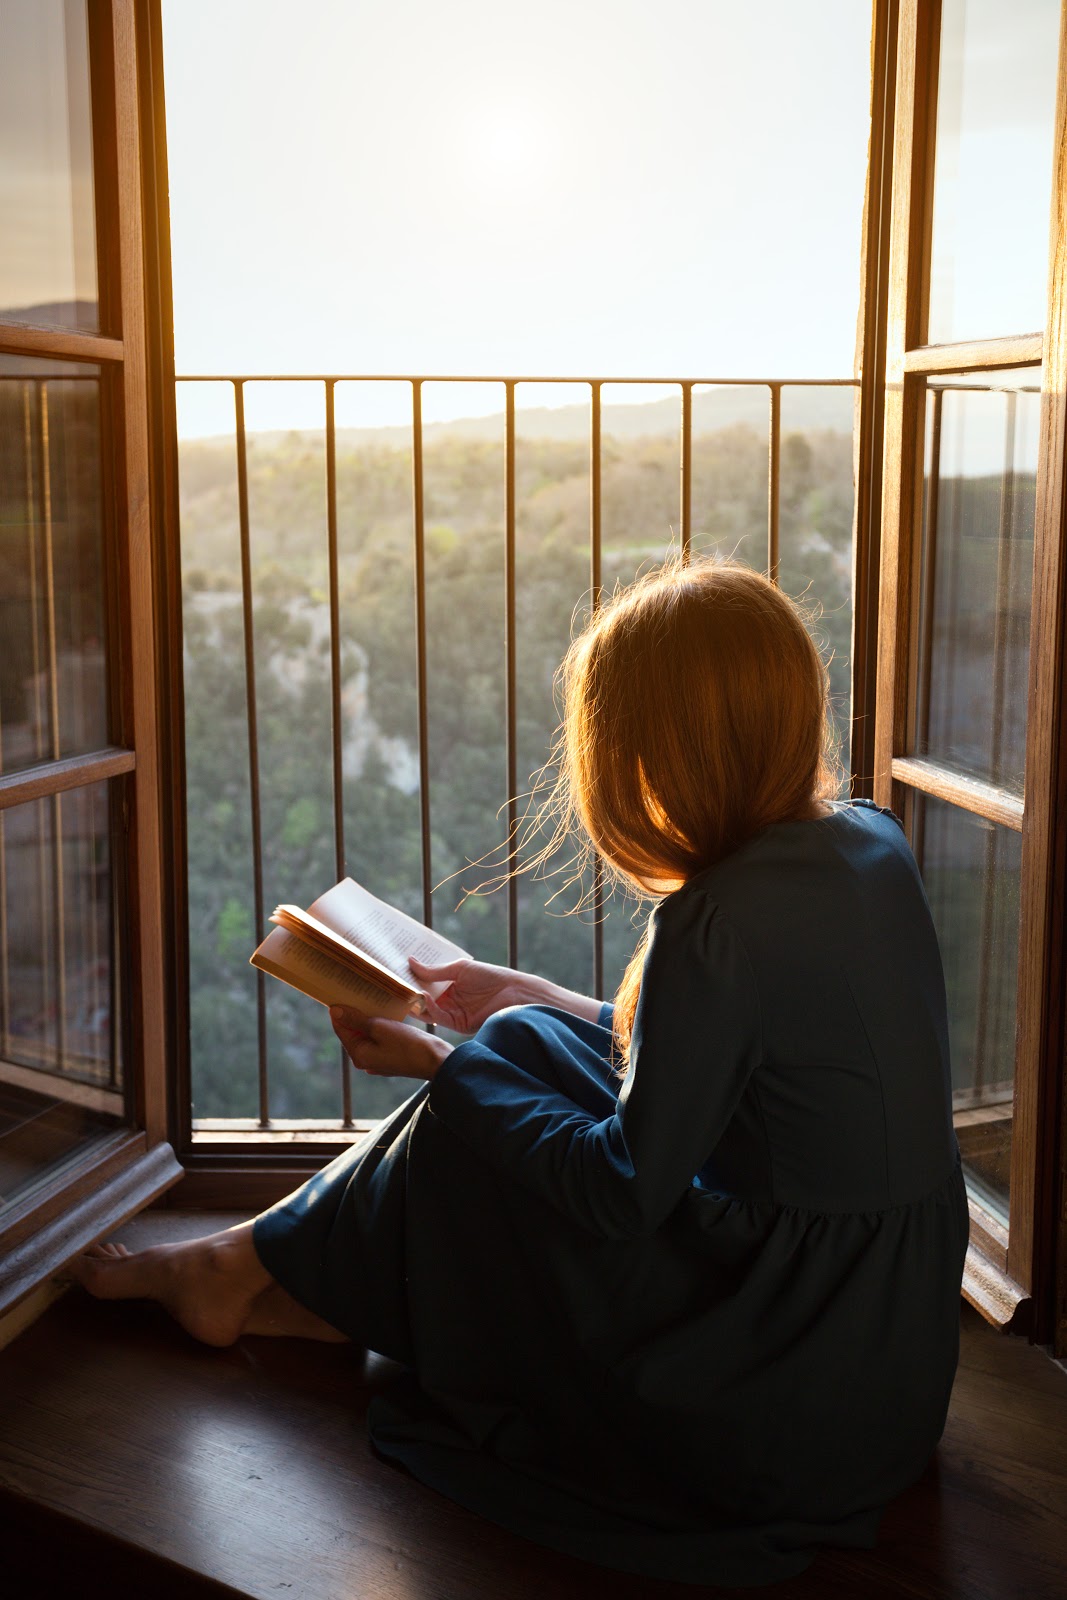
x=476 y=989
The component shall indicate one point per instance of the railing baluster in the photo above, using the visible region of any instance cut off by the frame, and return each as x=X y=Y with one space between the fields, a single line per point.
x=58 y=886
x=59 y=952
x=89 y=911
x=687 y=471
x=335 y=691
x=926 y=610
x=1003 y=582
x=986 y=987
x=32 y=563
x=419 y=531
x=253 y=740
x=5 y=982
x=30 y=413
x=595 y=520
x=511 y=761
x=335 y=634
x=774 y=480
x=114 y=947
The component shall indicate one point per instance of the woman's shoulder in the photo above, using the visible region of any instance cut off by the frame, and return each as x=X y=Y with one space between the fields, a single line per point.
x=867 y=808
x=853 y=839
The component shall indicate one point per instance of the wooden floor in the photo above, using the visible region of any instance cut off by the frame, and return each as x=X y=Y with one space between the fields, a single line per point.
x=133 y=1461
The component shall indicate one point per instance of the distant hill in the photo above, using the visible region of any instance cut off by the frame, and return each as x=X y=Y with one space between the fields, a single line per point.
x=803 y=409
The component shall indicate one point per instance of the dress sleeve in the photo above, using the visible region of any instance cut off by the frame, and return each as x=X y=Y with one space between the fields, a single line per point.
x=882 y=811
x=696 y=1041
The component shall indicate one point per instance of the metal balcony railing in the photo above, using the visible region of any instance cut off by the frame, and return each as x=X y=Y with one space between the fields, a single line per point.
x=327 y=386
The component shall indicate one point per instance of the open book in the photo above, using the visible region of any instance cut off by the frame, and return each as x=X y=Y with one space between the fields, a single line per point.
x=350 y=949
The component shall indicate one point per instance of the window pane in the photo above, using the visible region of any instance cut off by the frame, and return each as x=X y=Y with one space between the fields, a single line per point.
x=971 y=869
x=47 y=220
x=996 y=99
x=978 y=556
x=60 y=1052
x=53 y=689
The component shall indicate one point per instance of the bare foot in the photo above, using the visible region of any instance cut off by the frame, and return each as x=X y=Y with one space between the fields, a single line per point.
x=276 y=1314
x=208 y=1285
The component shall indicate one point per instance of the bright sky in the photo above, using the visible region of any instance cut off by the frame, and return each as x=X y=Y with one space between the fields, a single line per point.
x=607 y=187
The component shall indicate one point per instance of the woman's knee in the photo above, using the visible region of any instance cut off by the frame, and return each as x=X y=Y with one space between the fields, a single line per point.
x=562 y=1051
x=518 y=1034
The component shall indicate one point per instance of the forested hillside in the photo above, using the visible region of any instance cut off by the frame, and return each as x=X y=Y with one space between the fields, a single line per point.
x=464 y=479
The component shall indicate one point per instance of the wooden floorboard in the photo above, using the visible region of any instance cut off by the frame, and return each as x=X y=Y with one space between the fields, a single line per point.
x=249 y=1468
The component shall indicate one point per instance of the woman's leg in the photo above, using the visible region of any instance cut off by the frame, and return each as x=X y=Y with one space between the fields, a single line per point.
x=216 y=1288
x=565 y=1052
x=275 y=1314
x=339 y=1244
x=335 y=1245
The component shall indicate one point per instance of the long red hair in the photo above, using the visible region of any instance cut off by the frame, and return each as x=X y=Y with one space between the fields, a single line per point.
x=694 y=715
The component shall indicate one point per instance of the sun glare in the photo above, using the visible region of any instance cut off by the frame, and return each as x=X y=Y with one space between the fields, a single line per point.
x=479 y=188
x=506 y=140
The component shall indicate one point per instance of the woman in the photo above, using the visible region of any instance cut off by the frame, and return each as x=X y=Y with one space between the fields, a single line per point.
x=676 y=1282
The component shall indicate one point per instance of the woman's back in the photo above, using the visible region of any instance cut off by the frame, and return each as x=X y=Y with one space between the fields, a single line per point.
x=849 y=1108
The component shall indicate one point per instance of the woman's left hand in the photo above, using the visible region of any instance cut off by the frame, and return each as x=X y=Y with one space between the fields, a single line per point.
x=388 y=1049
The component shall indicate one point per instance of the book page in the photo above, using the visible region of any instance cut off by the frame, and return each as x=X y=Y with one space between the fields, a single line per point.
x=325 y=980
x=388 y=935
x=315 y=933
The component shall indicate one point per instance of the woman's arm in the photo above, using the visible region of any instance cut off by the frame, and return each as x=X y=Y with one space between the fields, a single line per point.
x=476 y=990
x=697 y=1039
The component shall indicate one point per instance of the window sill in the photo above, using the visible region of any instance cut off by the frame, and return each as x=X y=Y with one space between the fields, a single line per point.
x=998 y=1298
x=101 y=1198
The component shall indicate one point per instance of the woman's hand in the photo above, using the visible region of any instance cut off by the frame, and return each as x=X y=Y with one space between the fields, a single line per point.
x=388 y=1049
x=476 y=989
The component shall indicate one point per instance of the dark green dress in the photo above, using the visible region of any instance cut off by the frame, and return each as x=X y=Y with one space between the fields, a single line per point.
x=697 y=1322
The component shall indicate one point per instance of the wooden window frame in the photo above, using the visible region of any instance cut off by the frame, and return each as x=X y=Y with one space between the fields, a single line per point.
x=1011 y=1273
x=119 y=1173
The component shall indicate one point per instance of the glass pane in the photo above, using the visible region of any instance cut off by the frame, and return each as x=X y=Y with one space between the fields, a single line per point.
x=47 y=216
x=996 y=99
x=971 y=869
x=978 y=556
x=53 y=683
x=60 y=1044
